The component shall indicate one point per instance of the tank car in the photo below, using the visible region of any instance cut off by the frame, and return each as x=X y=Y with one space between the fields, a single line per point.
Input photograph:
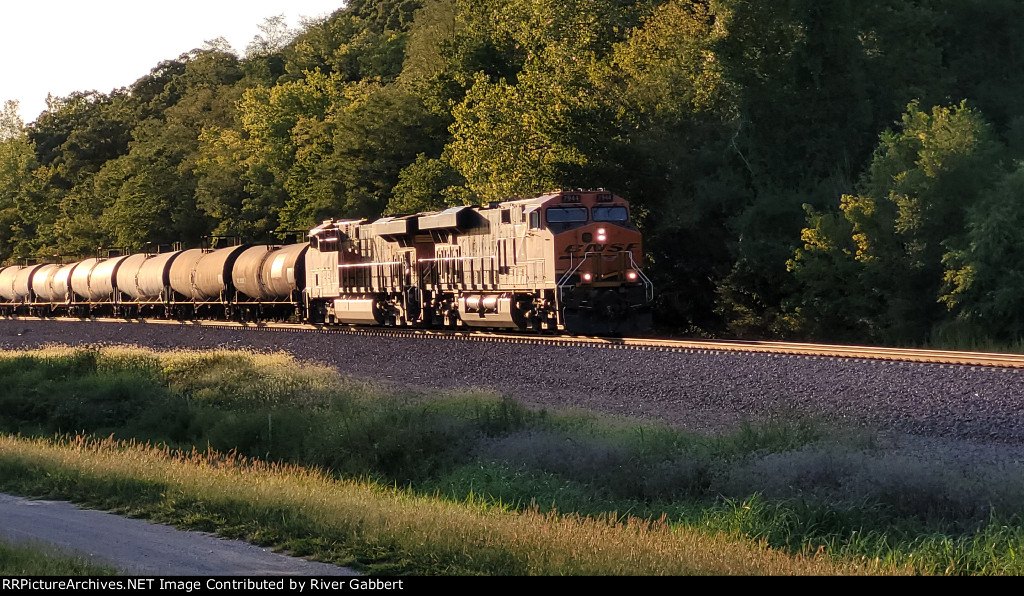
x=269 y=281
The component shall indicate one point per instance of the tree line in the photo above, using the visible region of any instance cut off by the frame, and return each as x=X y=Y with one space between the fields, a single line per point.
x=833 y=170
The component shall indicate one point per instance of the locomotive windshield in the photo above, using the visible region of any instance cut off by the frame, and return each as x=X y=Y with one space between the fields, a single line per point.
x=566 y=214
x=614 y=214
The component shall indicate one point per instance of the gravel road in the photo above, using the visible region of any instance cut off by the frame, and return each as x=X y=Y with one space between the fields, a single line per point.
x=137 y=547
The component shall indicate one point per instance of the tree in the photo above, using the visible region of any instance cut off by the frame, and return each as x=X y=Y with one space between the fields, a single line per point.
x=428 y=185
x=923 y=180
x=516 y=140
x=349 y=163
x=20 y=211
x=984 y=280
x=151 y=191
x=274 y=35
x=674 y=116
x=11 y=124
x=264 y=151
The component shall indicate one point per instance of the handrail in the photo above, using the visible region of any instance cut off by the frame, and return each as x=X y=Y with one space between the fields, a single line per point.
x=648 y=285
x=564 y=281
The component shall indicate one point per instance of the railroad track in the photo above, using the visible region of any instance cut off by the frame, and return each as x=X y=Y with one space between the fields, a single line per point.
x=949 y=357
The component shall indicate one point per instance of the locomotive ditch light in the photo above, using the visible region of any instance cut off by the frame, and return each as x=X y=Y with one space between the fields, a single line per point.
x=631 y=276
x=588 y=277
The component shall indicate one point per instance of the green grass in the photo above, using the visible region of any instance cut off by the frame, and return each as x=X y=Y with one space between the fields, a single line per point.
x=379 y=529
x=26 y=560
x=792 y=485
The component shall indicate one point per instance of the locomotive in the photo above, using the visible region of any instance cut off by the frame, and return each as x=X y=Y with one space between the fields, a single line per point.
x=562 y=261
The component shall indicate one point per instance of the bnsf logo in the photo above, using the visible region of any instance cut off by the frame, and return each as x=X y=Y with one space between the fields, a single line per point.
x=618 y=247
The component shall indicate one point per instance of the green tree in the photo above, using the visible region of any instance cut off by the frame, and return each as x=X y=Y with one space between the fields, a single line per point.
x=984 y=280
x=367 y=40
x=674 y=116
x=274 y=36
x=73 y=139
x=516 y=140
x=349 y=163
x=151 y=191
x=923 y=180
x=21 y=214
x=428 y=185
x=538 y=120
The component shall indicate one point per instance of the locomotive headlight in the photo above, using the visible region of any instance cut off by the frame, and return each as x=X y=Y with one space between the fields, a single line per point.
x=601 y=237
x=631 y=276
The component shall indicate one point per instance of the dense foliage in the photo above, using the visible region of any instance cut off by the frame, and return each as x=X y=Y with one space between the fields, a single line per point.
x=840 y=170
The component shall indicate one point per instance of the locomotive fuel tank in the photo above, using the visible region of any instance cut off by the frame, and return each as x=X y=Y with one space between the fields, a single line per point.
x=357 y=310
x=491 y=310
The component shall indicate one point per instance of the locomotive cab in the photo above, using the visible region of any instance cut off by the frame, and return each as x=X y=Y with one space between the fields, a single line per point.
x=601 y=287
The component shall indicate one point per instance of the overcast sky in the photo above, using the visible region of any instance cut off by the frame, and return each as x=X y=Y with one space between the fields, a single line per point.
x=62 y=46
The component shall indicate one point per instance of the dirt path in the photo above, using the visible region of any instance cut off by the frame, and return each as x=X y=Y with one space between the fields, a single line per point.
x=138 y=547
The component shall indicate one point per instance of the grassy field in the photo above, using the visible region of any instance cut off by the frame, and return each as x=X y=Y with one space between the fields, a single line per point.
x=262 y=447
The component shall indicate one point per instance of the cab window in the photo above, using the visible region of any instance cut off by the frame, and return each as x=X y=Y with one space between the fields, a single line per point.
x=566 y=214
x=614 y=214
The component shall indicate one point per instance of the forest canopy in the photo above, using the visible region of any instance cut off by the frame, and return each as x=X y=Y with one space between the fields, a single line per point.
x=831 y=170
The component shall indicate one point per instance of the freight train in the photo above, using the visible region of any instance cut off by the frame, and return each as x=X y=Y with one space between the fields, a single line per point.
x=561 y=261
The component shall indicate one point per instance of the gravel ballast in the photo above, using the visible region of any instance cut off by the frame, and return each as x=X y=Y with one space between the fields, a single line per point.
x=698 y=391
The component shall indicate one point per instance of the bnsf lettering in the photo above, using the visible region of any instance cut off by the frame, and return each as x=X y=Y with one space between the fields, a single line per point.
x=575 y=248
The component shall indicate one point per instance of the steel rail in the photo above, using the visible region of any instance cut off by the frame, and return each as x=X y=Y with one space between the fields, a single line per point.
x=854 y=352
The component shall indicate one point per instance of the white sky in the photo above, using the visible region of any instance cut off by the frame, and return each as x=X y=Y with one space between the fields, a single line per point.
x=62 y=46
